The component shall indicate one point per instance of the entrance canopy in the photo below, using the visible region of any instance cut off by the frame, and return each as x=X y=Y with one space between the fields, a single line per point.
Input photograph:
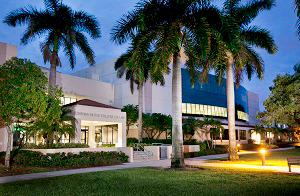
x=98 y=124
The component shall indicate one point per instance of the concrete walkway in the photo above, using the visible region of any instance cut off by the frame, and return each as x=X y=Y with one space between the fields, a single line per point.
x=198 y=161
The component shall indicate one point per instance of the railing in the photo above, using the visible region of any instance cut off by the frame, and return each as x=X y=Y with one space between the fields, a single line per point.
x=140 y=147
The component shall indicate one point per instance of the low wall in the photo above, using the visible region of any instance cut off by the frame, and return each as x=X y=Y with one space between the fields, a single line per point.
x=127 y=150
x=155 y=150
x=191 y=148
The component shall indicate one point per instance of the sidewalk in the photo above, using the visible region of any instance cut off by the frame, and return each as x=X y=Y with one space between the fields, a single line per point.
x=8 y=179
x=197 y=161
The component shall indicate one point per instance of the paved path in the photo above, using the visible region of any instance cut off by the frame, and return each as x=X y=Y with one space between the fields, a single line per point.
x=198 y=161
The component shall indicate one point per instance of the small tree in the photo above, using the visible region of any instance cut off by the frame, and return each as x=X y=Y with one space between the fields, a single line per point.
x=211 y=127
x=155 y=124
x=23 y=95
x=131 y=115
x=190 y=127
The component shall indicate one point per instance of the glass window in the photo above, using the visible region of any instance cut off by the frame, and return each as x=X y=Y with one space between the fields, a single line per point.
x=188 y=108
x=198 y=109
x=193 y=108
x=184 y=108
x=209 y=110
x=67 y=100
x=242 y=135
x=84 y=135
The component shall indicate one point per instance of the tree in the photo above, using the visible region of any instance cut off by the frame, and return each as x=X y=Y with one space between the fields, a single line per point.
x=62 y=28
x=190 y=127
x=282 y=107
x=166 y=28
x=23 y=95
x=155 y=124
x=131 y=115
x=233 y=52
x=137 y=74
x=212 y=127
x=55 y=122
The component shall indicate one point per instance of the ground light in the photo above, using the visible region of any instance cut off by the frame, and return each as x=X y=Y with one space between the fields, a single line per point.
x=263 y=156
x=238 y=147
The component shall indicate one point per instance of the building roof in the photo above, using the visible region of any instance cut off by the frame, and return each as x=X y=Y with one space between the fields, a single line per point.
x=88 y=102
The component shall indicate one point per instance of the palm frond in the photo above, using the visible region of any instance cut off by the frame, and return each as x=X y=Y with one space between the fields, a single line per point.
x=83 y=44
x=87 y=23
x=20 y=16
x=260 y=38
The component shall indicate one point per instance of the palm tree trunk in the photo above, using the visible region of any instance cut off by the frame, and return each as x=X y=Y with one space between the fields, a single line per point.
x=231 y=110
x=52 y=75
x=140 y=119
x=8 y=146
x=177 y=137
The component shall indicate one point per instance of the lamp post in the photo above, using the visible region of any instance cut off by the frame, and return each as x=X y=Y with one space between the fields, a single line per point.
x=263 y=156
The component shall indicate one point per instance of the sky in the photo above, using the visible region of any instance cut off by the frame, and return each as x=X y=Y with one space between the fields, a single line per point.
x=280 y=21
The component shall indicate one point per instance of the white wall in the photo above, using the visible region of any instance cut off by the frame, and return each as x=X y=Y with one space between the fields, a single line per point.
x=6 y=52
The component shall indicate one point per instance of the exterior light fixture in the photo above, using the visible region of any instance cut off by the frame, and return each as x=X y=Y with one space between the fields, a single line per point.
x=238 y=147
x=263 y=156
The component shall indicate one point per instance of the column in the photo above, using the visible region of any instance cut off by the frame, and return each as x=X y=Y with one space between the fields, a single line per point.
x=238 y=131
x=122 y=140
x=77 y=138
x=91 y=141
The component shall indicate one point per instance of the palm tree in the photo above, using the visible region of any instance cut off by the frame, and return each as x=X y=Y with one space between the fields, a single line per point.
x=212 y=127
x=135 y=65
x=167 y=27
x=233 y=53
x=63 y=29
x=190 y=127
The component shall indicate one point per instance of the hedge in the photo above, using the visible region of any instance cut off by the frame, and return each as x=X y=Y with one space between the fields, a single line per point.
x=83 y=159
x=55 y=146
x=217 y=150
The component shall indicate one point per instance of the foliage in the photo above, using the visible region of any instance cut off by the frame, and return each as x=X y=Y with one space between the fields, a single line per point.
x=62 y=28
x=213 y=127
x=131 y=141
x=23 y=91
x=83 y=159
x=155 y=124
x=159 y=141
x=131 y=115
x=282 y=107
x=190 y=127
x=217 y=150
x=54 y=146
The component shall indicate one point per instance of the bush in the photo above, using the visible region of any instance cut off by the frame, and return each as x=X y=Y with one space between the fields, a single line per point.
x=217 y=150
x=251 y=141
x=55 y=146
x=83 y=159
x=131 y=141
x=151 y=141
x=108 y=145
x=190 y=142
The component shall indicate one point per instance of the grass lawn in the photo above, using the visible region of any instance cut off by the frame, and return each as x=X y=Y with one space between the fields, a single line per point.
x=149 y=181
x=276 y=158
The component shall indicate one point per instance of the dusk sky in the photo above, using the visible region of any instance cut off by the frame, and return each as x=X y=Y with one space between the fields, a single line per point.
x=280 y=21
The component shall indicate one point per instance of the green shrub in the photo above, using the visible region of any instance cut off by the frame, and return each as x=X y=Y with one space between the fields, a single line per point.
x=55 y=146
x=108 y=145
x=151 y=141
x=131 y=141
x=251 y=141
x=83 y=159
x=217 y=150
x=191 y=142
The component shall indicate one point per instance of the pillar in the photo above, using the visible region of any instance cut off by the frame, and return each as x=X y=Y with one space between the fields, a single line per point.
x=77 y=138
x=122 y=140
x=91 y=142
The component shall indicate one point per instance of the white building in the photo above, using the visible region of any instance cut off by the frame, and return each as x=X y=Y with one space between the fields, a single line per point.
x=96 y=95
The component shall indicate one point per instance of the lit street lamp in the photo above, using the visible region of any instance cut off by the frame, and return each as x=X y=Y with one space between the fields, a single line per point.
x=238 y=147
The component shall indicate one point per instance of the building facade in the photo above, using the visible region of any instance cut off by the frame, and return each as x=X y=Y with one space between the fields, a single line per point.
x=96 y=97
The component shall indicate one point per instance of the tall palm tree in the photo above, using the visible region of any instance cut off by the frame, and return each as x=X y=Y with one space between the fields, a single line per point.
x=233 y=52
x=137 y=72
x=62 y=28
x=168 y=27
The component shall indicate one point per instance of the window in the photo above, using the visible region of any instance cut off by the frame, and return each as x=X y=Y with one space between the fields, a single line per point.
x=198 y=109
x=188 y=108
x=242 y=116
x=106 y=134
x=67 y=100
x=225 y=135
x=193 y=108
x=65 y=138
x=184 y=108
x=84 y=135
x=242 y=135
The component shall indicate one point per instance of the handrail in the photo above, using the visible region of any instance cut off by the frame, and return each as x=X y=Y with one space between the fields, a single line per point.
x=140 y=147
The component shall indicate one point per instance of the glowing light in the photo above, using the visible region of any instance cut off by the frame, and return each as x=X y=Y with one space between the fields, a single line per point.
x=262 y=151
